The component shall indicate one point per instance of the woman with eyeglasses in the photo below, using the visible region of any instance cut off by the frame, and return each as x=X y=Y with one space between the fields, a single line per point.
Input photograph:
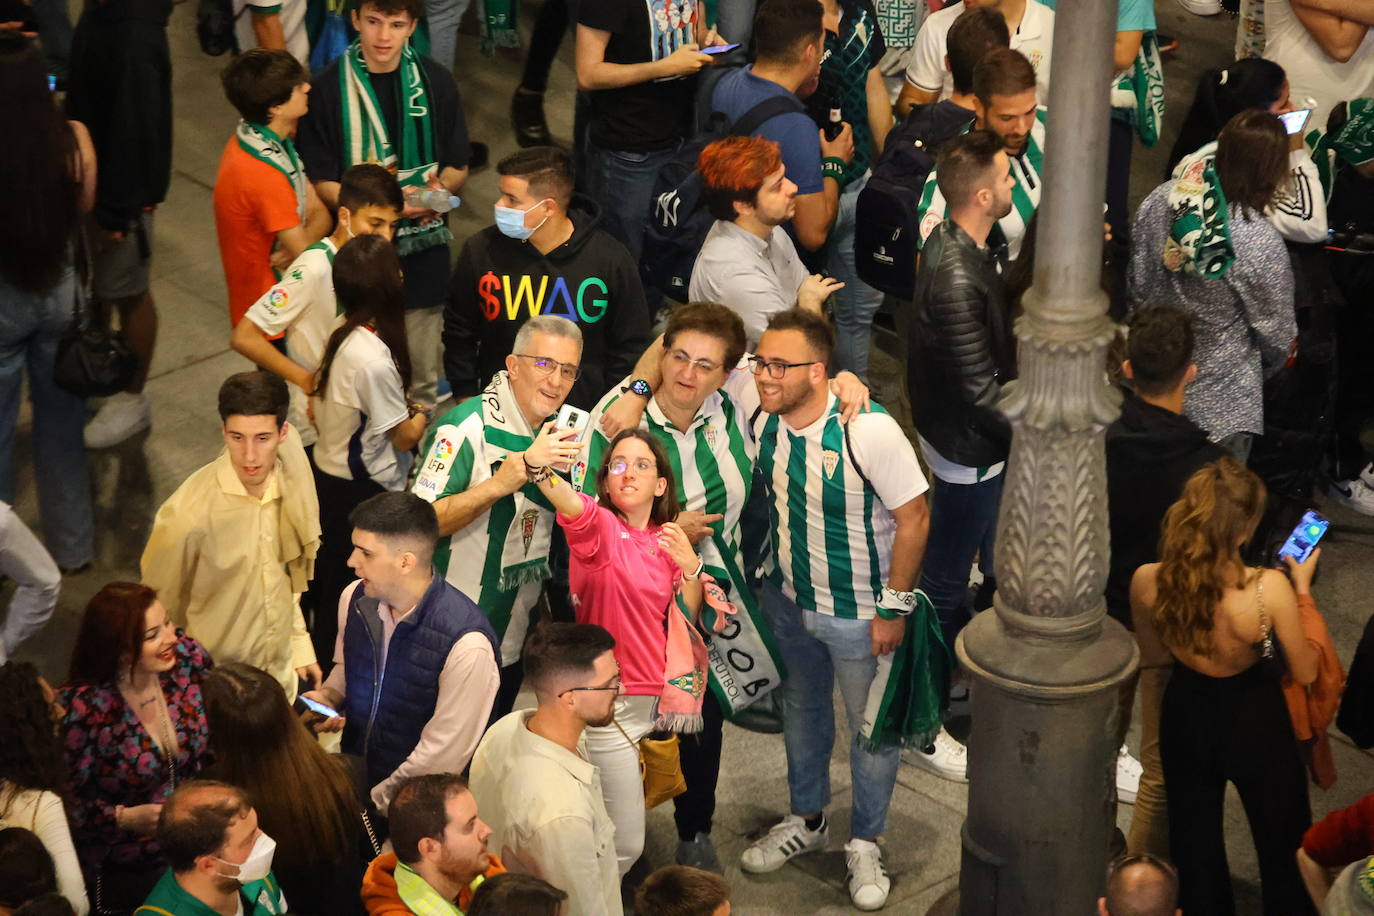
x=134 y=729
x=367 y=428
x=632 y=569
x=33 y=775
x=1223 y=718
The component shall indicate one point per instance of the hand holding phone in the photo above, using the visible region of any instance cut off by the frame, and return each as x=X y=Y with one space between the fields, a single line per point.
x=1295 y=121
x=1304 y=538
x=719 y=49
x=333 y=720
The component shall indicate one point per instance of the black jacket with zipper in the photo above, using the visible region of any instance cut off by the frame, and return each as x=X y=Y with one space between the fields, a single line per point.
x=961 y=349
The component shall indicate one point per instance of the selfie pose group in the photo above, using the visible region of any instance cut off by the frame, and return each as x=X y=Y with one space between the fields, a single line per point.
x=512 y=536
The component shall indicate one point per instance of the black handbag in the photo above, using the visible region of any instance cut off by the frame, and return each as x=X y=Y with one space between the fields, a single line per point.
x=93 y=361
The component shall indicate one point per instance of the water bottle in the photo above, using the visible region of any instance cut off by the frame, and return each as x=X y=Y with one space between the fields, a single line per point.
x=436 y=199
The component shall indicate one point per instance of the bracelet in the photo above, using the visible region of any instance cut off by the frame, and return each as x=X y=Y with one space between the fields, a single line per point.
x=537 y=475
x=701 y=564
x=834 y=167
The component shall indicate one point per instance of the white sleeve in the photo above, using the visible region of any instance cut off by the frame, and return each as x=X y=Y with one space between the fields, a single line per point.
x=1299 y=211
x=740 y=388
x=50 y=826
x=380 y=395
x=281 y=306
x=926 y=69
x=886 y=457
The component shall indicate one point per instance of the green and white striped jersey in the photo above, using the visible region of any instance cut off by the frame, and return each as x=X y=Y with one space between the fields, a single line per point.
x=1025 y=197
x=832 y=531
x=473 y=559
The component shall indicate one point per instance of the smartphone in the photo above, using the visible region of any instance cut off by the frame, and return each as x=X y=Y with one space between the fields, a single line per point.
x=1304 y=538
x=319 y=707
x=719 y=49
x=570 y=417
x=52 y=83
x=1295 y=121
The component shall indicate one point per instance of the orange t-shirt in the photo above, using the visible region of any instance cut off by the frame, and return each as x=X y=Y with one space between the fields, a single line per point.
x=253 y=202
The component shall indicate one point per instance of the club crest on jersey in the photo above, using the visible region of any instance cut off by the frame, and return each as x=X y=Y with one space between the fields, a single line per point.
x=527 y=519
x=830 y=460
x=709 y=431
x=579 y=474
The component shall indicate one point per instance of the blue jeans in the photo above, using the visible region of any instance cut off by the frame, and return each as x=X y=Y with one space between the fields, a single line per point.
x=820 y=650
x=857 y=303
x=443 y=17
x=963 y=524
x=30 y=326
x=622 y=182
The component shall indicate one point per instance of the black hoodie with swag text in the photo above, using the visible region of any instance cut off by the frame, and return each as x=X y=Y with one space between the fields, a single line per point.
x=499 y=283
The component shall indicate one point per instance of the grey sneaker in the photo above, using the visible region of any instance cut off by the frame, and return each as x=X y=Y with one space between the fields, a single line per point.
x=699 y=852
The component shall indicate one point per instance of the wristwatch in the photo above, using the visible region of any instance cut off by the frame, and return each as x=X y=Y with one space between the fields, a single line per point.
x=893 y=604
x=640 y=387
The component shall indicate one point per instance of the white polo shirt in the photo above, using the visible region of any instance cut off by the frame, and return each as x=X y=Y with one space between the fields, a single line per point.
x=1033 y=37
x=362 y=401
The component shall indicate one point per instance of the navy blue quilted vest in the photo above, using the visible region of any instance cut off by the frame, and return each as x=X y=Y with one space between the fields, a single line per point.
x=387 y=709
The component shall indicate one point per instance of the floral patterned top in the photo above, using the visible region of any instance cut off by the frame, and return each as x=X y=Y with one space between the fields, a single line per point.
x=113 y=760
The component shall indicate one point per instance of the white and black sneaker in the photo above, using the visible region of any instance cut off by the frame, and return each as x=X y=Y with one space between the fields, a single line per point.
x=1355 y=493
x=868 y=881
x=791 y=837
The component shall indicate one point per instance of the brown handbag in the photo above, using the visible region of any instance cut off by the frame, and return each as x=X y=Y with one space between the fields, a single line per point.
x=660 y=766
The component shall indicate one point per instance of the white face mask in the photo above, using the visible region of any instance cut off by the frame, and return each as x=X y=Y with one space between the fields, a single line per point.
x=258 y=863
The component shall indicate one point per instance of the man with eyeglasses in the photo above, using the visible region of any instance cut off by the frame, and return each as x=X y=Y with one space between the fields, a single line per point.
x=547 y=254
x=495 y=527
x=748 y=261
x=531 y=778
x=697 y=413
x=848 y=524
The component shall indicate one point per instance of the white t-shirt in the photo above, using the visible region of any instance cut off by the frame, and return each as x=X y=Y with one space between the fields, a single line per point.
x=363 y=401
x=292 y=14
x=302 y=306
x=1310 y=72
x=1034 y=37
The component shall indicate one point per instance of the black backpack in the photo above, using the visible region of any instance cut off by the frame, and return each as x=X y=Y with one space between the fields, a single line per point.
x=885 y=230
x=215 y=26
x=678 y=220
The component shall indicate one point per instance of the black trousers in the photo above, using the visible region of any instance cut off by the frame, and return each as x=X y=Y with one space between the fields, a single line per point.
x=338 y=497
x=1236 y=729
x=550 y=24
x=700 y=754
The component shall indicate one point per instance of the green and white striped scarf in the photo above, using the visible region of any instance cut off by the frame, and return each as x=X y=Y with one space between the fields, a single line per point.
x=910 y=690
x=1140 y=91
x=1199 y=240
x=412 y=156
x=260 y=142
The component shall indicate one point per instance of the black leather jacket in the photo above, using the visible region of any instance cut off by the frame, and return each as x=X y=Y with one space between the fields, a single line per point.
x=961 y=350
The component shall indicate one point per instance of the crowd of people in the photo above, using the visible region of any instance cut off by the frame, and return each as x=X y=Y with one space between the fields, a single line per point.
x=657 y=498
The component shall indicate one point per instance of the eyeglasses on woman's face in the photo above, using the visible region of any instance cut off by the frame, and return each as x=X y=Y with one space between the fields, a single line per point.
x=683 y=359
x=619 y=466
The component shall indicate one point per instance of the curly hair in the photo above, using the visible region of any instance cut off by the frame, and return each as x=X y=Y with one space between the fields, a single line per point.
x=30 y=755
x=1199 y=551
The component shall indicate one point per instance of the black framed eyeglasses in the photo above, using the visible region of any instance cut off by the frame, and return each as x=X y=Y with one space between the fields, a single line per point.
x=545 y=366
x=775 y=369
x=613 y=685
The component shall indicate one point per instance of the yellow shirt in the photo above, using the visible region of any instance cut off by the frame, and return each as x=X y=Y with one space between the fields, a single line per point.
x=221 y=562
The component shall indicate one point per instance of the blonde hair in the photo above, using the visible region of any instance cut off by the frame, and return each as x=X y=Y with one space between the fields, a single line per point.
x=1199 y=548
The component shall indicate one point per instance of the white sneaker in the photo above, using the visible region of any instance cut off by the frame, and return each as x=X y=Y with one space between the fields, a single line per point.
x=949 y=759
x=1354 y=493
x=868 y=880
x=788 y=838
x=1128 y=771
x=1367 y=475
x=119 y=417
x=1201 y=7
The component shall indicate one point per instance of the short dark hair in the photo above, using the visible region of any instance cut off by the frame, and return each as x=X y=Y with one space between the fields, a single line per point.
x=195 y=819
x=974 y=33
x=562 y=648
x=548 y=170
x=415 y=8
x=819 y=333
x=1158 y=897
x=512 y=894
x=733 y=170
x=1252 y=160
x=419 y=809
x=255 y=393
x=963 y=165
x=49 y=904
x=396 y=516
x=679 y=890
x=1160 y=347
x=1002 y=71
x=713 y=319
x=782 y=28
x=257 y=81
x=369 y=185
x=26 y=867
